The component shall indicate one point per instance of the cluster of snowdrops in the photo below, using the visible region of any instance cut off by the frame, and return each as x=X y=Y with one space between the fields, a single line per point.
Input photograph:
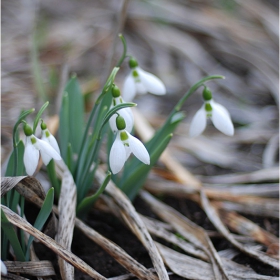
x=137 y=82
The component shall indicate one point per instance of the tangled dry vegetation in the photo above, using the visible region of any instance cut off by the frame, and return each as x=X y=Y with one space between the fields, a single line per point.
x=232 y=180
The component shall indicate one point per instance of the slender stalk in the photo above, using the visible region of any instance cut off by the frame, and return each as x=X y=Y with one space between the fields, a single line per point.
x=193 y=89
x=124 y=51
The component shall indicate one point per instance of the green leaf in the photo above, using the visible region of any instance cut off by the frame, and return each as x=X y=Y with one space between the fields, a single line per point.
x=76 y=113
x=20 y=165
x=63 y=131
x=87 y=202
x=41 y=218
x=53 y=178
x=38 y=116
x=138 y=175
x=72 y=117
x=12 y=236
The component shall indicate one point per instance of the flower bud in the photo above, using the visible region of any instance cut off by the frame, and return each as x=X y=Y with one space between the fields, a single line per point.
x=28 y=131
x=43 y=126
x=120 y=122
x=207 y=94
x=116 y=92
x=133 y=62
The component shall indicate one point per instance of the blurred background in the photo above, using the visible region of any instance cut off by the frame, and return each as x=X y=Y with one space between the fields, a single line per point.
x=44 y=42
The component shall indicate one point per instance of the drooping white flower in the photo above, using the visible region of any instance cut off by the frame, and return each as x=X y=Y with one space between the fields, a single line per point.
x=217 y=113
x=126 y=113
x=123 y=146
x=4 y=270
x=141 y=82
x=31 y=152
x=50 y=139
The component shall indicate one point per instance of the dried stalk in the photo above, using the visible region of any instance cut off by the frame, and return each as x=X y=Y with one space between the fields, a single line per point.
x=67 y=214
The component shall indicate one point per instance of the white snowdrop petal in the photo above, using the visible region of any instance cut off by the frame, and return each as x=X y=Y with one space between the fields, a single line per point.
x=129 y=88
x=198 y=123
x=54 y=143
x=138 y=149
x=47 y=151
x=221 y=119
x=112 y=123
x=127 y=151
x=3 y=268
x=140 y=88
x=117 y=156
x=30 y=157
x=128 y=117
x=152 y=83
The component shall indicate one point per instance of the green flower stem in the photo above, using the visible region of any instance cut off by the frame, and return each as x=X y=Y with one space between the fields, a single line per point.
x=124 y=51
x=193 y=89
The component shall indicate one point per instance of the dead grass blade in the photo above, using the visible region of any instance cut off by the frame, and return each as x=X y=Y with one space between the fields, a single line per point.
x=246 y=227
x=135 y=223
x=33 y=268
x=155 y=228
x=50 y=243
x=11 y=276
x=188 y=230
x=215 y=219
x=258 y=207
x=185 y=266
x=8 y=183
x=115 y=251
x=263 y=175
x=67 y=214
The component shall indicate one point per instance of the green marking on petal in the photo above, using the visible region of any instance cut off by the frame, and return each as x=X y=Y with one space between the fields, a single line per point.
x=47 y=133
x=124 y=137
x=208 y=107
x=135 y=74
x=33 y=140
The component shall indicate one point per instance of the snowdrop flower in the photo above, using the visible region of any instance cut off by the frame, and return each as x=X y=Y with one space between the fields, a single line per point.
x=216 y=112
x=141 y=82
x=123 y=146
x=31 y=152
x=49 y=138
x=126 y=113
x=4 y=270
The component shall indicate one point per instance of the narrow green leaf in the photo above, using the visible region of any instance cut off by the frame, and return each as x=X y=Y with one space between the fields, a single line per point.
x=53 y=178
x=137 y=177
x=41 y=218
x=87 y=202
x=75 y=114
x=12 y=236
x=20 y=165
x=63 y=131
